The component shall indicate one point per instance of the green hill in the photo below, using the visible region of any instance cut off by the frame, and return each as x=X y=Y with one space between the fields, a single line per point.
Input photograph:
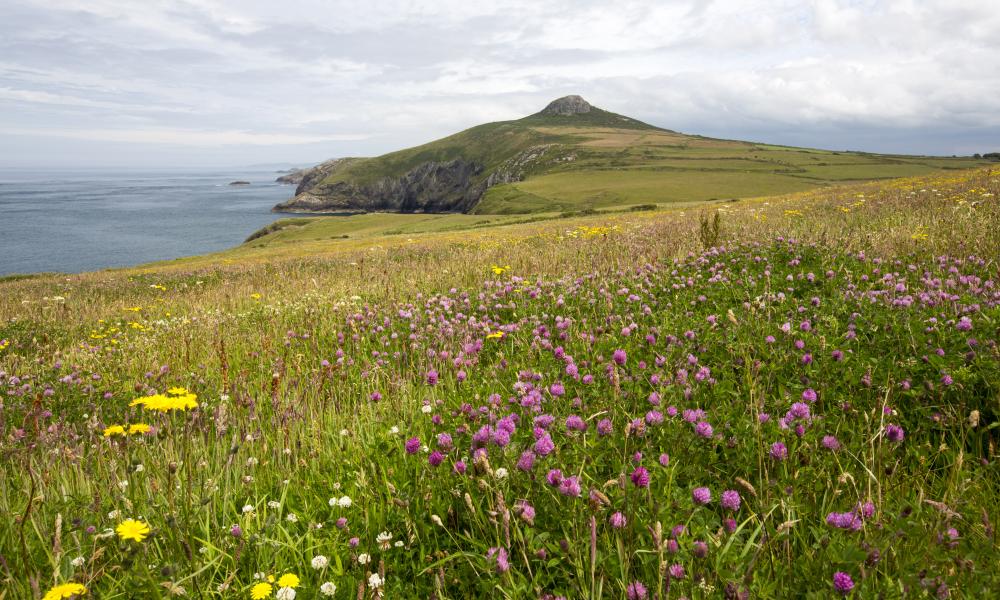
x=574 y=156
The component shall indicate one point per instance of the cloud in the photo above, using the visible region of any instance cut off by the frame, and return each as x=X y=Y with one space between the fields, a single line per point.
x=299 y=80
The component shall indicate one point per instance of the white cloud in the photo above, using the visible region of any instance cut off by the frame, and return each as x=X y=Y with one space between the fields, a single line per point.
x=308 y=72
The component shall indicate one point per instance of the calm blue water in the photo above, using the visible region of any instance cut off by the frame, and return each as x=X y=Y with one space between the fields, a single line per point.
x=76 y=221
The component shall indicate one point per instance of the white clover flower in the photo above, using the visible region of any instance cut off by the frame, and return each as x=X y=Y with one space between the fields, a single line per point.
x=79 y=561
x=291 y=518
x=398 y=543
x=247 y=509
x=394 y=430
x=273 y=504
x=328 y=589
x=332 y=502
x=319 y=562
x=285 y=593
x=113 y=514
x=501 y=473
x=374 y=581
x=139 y=468
x=364 y=559
x=383 y=540
x=426 y=409
x=344 y=502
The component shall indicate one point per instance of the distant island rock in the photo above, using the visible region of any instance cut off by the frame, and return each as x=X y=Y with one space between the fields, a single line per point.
x=239 y=183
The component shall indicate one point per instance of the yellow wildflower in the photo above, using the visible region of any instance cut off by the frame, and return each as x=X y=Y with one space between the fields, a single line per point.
x=138 y=428
x=130 y=529
x=498 y=270
x=494 y=335
x=260 y=591
x=165 y=403
x=177 y=391
x=288 y=580
x=114 y=430
x=65 y=590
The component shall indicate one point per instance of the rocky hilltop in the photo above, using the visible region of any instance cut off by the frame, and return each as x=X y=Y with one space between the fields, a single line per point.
x=451 y=174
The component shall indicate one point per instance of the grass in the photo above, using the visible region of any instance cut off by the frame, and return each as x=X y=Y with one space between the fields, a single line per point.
x=315 y=361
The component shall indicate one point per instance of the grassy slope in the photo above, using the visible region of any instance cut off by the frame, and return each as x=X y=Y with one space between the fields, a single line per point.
x=257 y=330
x=616 y=161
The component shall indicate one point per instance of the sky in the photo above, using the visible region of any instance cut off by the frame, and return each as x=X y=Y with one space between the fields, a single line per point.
x=172 y=83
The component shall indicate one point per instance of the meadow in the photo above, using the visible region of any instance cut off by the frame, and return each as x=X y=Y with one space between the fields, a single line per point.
x=800 y=401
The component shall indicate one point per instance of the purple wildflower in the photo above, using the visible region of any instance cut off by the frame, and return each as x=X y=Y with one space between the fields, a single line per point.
x=640 y=477
x=843 y=583
x=412 y=445
x=635 y=591
x=730 y=500
x=570 y=486
x=499 y=557
x=779 y=451
x=619 y=357
x=701 y=495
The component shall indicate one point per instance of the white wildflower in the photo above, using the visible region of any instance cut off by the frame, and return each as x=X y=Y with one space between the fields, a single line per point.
x=501 y=473
x=383 y=540
x=285 y=593
x=319 y=562
x=247 y=509
x=328 y=589
x=79 y=561
x=364 y=559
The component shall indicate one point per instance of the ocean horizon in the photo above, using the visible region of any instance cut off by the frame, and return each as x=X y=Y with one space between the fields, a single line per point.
x=77 y=220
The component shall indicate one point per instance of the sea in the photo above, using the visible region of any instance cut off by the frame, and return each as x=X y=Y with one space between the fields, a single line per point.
x=74 y=221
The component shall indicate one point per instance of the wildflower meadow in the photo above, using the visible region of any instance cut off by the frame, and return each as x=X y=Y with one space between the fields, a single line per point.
x=804 y=405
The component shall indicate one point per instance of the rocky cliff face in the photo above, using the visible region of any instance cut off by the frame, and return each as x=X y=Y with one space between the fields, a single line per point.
x=452 y=186
x=430 y=187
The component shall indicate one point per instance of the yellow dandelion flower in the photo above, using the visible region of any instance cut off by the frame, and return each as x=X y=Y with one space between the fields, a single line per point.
x=177 y=391
x=163 y=403
x=288 y=580
x=260 y=591
x=498 y=270
x=130 y=529
x=138 y=429
x=65 y=590
x=114 y=430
